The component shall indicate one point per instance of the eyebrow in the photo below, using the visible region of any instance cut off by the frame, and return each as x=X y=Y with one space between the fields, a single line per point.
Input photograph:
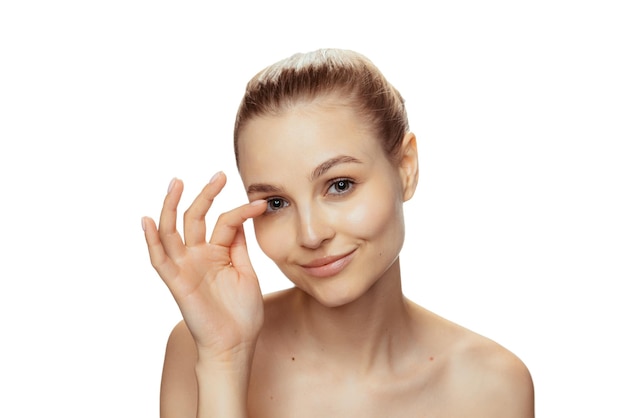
x=263 y=188
x=316 y=173
x=328 y=164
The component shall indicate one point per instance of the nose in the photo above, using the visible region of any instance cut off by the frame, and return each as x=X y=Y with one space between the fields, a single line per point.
x=315 y=227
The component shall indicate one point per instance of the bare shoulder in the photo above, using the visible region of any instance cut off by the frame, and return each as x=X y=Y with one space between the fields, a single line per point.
x=179 y=390
x=492 y=381
x=487 y=380
x=473 y=376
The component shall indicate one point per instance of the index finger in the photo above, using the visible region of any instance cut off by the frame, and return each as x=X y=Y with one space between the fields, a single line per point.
x=229 y=222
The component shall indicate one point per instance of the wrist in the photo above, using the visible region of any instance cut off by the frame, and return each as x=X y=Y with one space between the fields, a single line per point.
x=223 y=383
x=231 y=359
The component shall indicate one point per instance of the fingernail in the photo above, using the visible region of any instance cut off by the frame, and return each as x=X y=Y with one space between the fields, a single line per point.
x=143 y=223
x=169 y=188
x=215 y=176
x=258 y=202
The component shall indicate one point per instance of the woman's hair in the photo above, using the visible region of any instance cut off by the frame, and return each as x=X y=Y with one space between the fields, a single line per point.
x=325 y=72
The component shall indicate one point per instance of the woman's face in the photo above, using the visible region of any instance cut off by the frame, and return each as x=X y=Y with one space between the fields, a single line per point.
x=334 y=222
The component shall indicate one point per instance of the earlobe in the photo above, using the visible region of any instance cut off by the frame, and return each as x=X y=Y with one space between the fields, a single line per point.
x=409 y=167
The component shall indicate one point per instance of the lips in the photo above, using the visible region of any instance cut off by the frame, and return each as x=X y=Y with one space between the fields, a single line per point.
x=328 y=266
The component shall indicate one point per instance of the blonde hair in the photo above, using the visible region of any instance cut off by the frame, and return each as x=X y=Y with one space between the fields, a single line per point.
x=337 y=72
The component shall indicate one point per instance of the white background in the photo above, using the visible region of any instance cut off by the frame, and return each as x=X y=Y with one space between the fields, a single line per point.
x=517 y=230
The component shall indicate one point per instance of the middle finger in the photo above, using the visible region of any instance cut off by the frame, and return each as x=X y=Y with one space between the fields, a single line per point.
x=194 y=219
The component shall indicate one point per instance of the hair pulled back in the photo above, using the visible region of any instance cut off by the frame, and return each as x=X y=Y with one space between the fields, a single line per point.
x=341 y=73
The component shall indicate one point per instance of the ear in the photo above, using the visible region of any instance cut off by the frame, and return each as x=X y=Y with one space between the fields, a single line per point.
x=408 y=165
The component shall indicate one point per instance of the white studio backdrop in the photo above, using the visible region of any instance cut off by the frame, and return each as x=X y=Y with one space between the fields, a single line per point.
x=516 y=231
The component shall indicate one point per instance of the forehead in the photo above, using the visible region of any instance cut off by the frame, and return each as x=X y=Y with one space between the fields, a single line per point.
x=302 y=136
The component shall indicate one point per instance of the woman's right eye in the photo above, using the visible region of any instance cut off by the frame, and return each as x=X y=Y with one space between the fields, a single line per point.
x=275 y=204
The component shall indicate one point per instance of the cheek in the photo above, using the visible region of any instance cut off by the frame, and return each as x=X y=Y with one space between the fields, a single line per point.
x=375 y=218
x=271 y=237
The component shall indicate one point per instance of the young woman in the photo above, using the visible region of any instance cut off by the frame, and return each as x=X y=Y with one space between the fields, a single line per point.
x=326 y=157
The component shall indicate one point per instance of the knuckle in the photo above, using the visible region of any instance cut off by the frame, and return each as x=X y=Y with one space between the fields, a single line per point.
x=223 y=218
x=156 y=261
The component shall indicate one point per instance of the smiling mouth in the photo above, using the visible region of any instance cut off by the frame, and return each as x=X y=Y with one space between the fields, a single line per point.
x=328 y=266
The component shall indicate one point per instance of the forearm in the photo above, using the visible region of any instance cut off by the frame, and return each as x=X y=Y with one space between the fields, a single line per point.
x=223 y=386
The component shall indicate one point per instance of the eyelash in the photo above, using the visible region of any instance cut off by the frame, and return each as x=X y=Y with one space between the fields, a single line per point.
x=333 y=184
x=349 y=183
x=279 y=200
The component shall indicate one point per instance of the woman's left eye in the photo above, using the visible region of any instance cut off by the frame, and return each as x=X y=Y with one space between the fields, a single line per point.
x=340 y=186
x=274 y=204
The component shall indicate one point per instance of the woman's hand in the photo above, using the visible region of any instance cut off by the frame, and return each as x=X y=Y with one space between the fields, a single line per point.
x=212 y=282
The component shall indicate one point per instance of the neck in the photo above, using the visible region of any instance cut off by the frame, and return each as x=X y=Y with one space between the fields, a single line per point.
x=366 y=333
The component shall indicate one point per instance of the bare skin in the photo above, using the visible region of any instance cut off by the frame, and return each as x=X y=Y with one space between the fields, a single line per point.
x=466 y=375
x=327 y=209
